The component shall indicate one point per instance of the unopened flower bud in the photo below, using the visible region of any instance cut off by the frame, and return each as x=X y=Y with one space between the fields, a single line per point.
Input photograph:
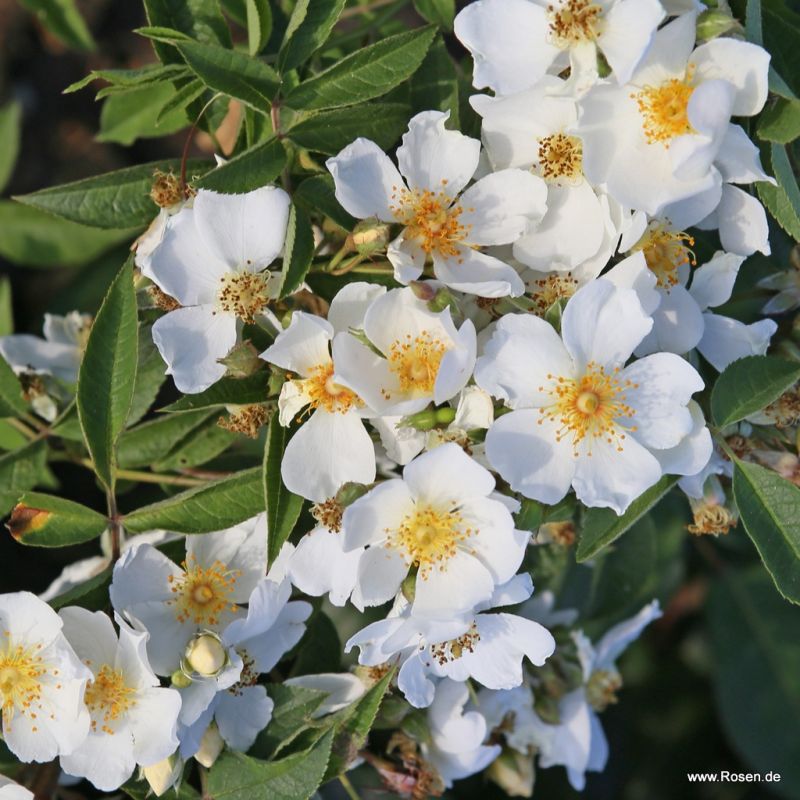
x=205 y=654
x=513 y=772
x=713 y=23
x=350 y=492
x=163 y=775
x=429 y=418
x=423 y=290
x=180 y=680
x=370 y=237
x=242 y=361
x=441 y=300
x=211 y=746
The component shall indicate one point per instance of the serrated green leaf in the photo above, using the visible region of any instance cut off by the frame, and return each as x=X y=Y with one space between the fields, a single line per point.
x=321 y=648
x=213 y=507
x=330 y=131
x=10 y=123
x=769 y=507
x=249 y=170
x=755 y=650
x=42 y=520
x=283 y=507
x=129 y=78
x=233 y=73
x=294 y=706
x=136 y=114
x=91 y=594
x=435 y=84
x=316 y=194
x=154 y=440
x=198 y=447
x=21 y=470
x=437 y=12
x=780 y=123
x=12 y=402
x=228 y=391
x=309 y=27
x=750 y=384
x=32 y=238
x=63 y=20
x=235 y=776
x=259 y=24
x=601 y=526
x=107 y=374
x=6 y=310
x=150 y=375
x=299 y=252
x=199 y=19
x=119 y=199
x=365 y=74
x=184 y=96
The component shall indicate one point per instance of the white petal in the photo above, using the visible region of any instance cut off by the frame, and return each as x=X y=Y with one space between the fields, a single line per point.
x=365 y=180
x=342 y=689
x=725 y=340
x=320 y=566
x=628 y=29
x=244 y=231
x=153 y=722
x=712 y=284
x=304 y=345
x=617 y=639
x=91 y=636
x=447 y=475
x=105 y=760
x=367 y=374
x=435 y=158
x=414 y=683
x=365 y=521
x=350 y=304
x=32 y=354
x=380 y=573
x=243 y=716
x=633 y=273
x=495 y=542
x=522 y=447
x=693 y=452
x=739 y=160
x=478 y=273
x=743 y=224
x=456 y=586
x=327 y=451
x=677 y=324
x=668 y=53
x=457 y=364
x=401 y=442
x=407 y=258
x=191 y=341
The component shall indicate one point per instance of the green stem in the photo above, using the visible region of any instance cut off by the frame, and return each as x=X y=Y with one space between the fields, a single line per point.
x=145 y=477
x=348 y=787
x=22 y=428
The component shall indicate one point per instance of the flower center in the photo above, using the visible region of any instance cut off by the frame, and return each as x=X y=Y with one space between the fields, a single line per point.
x=202 y=595
x=561 y=158
x=21 y=673
x=324 y=393
x=416 y=361
x=444 y=652
x=430 y=219
x=665 y=252
x=602 y=688
x=243 y=294
x=430 y=537
x=549 y=290
x=108 y=697
x=573 y=22
x=664 y=110
x=711 y=518
x=329 y=514
x=590 y=407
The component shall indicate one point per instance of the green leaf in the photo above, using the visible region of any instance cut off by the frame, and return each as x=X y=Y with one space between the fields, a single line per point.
x=107 y=374
x=757 y=663
x=10 y=124
x=249 y=170
x=42 y=520
x=154 y=440
x=317 y=194
x=601 y=526
x=183 y=98
x=21 y=470
x=783 y=200
x=136 y=114
x=321 y=648
x=213 y=507
x=770 y=509
x=299 y=252
x=32 y=238
x=91 y=594
x=283 y=507
x=435 y=84
x=12 y=402
x=198 y=447
x=365 y=74
x=63 y=20
x=199 y=19
x=119 y=199
x=330 y=131
x=530 y=515
x=781 y=28
x=750 y=384
x=150 y=375
x=228 y=391
x=259 y=24
x=309 y=27
x=437 y=12
x=128 y=78
x=6 y=312
x=233 y=73
x=235 y=776
x=294 y=706
x=780 y=122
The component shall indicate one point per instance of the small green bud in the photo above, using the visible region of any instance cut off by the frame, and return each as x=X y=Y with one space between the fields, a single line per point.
x=180 y=680
x=350 y=492
x=711 y=24
x=242 y=361
x=430 y=418
x=409 y=586
x=370 y=237
x=424 y=290
x=554 y=314
x=441 y=300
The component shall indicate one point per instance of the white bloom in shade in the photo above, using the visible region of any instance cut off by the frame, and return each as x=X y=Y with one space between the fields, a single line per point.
x=272 y=626
x=534 y=130
x=342 y=689
x=174 y=603
x=42 y=681
x=9 y=790
x=439 y=222
x=694 y=486
x=133 y=719
x=580 y=417
x=332 y=446
x=787 y=286
x=422 y=356
x=514 y=43
x=213 y=259
x=486 y=647
x=440 y=518
x=456 y=747
x=655 y=140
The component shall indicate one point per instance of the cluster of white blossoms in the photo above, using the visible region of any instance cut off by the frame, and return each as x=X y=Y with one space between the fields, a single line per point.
x=542 y=336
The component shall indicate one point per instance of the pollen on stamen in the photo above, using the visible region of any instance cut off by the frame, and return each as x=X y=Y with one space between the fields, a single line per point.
x=664 y=110
x=108 y=697
x=432 y=220
x=323 y=392
x=243 y=294
x=203 y=595
x=573 y=22
x=560 y=158
x=665 y=252
x=415 y=360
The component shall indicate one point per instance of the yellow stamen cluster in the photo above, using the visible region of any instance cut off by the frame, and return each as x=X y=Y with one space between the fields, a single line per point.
x=602 y=688
x=22 y=670
x=430 y=537
x=243 y=294
x=590 y=407
x=546 y=291
x=665 y=252
x=664 y=110
x=573 y=22
x=416 y=360
x=324 y=393
x=560 y=158
x=444 y=652
x=202 y=595
x=329 y=514
x=108 y=697
x=247 y=420
x=431 y=219
x=711 y=519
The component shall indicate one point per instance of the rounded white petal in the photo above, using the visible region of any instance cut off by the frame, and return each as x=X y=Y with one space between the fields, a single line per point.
x=401 y=442
x=191 y=341
x=693 y=452
x=105 y=760
x=457 y=364
x=739 y=160
x=617 y=639
x=31 y=354
x=712 y=284
x=407 y=258
x=365 y=521
x=743 y=226
x=633 y=273
x=304 y=345
x=668 y=53
x=320 y=566
x=91 y=636
x=381 y=570
x=478 y=273
x=349 y=306
x=153 y=722
x=241 y=717
x=628 y=28
x=447 y=475
x=342 y=689
x=677 y=324
x=414 y=683
x=455 y=586
x=725 y=340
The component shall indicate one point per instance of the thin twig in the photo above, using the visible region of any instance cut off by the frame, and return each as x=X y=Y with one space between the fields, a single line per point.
x=144 y=477
x=349 y=788
x=365 y=9
x=22 y=428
